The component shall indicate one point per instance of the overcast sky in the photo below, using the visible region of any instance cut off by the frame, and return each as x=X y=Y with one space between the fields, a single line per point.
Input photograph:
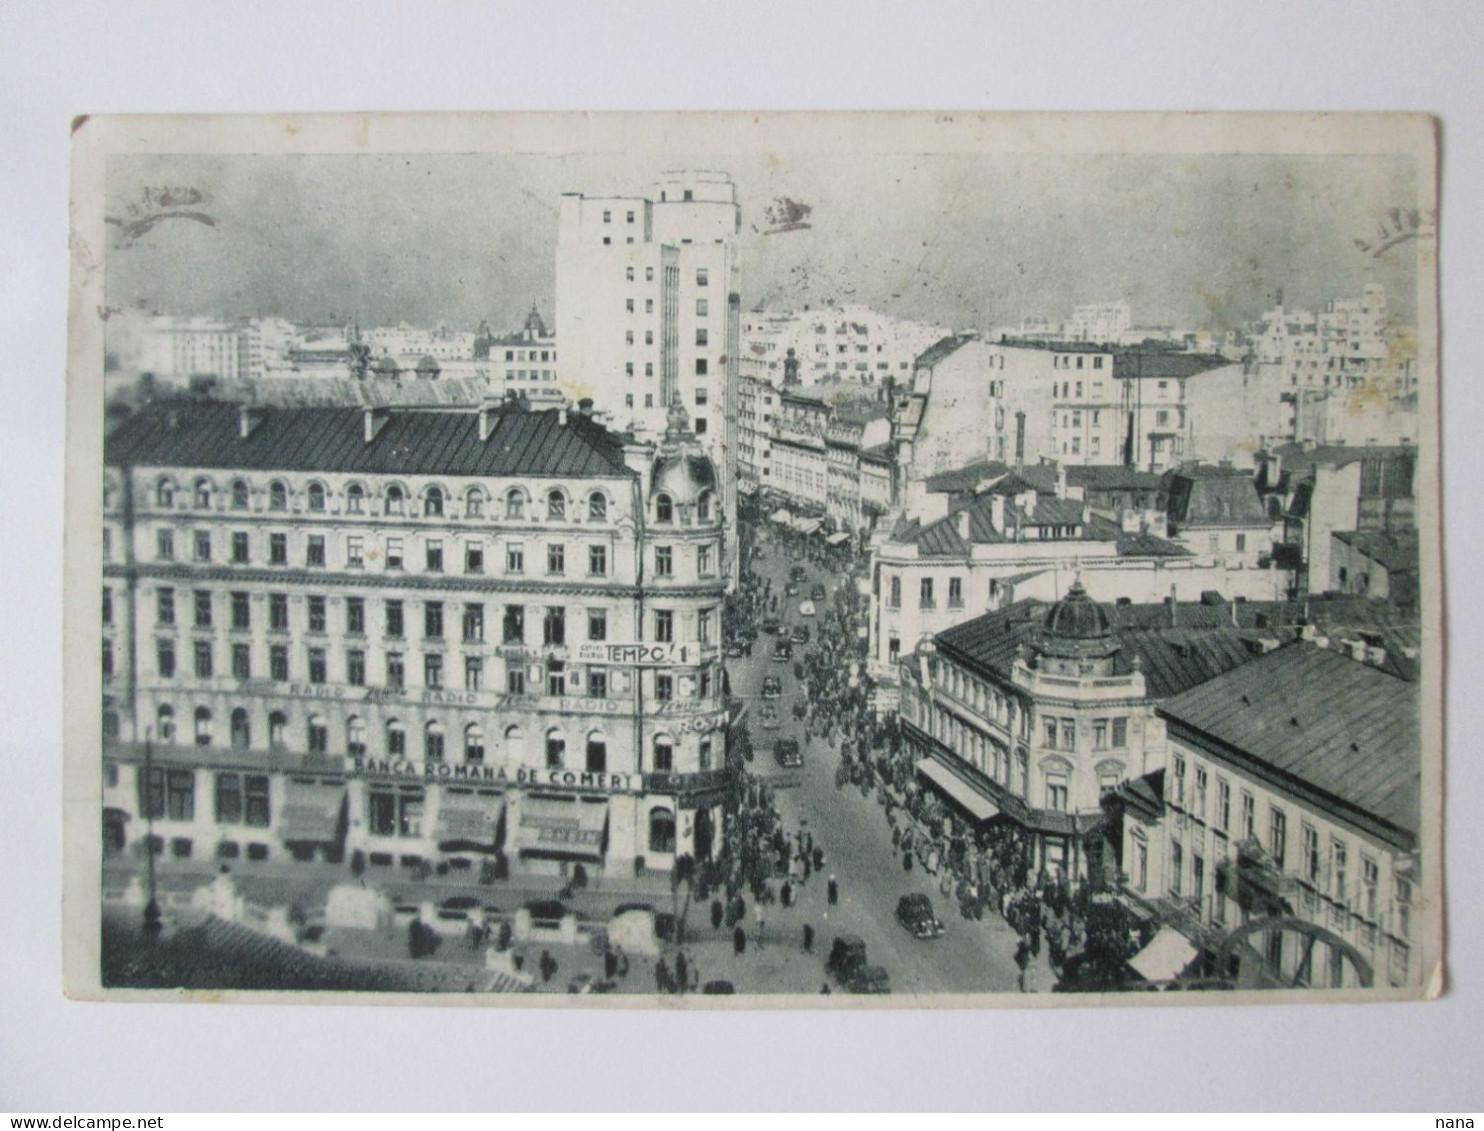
x=972 y=242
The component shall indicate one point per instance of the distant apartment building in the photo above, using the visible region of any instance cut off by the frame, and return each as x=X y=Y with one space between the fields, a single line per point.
x=851 y=346
x=526 y=361
x=757 y=412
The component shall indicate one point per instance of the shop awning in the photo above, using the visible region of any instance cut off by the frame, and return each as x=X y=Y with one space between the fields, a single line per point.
x=468 y=821
x=809 y=525
x=551 y=829
x=1167 y=955
x=311 y=812
x=838 y=537
x=946 y=781
x=782 y=515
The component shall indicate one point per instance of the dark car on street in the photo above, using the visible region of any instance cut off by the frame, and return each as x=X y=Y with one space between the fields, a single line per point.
x=735 y=650
x=718 y=986
x=771 y=625
x=869 y=980
x=782 y=651
x=817 y=593
x=771 y=720
x=772 y=687
x=915 y=913
x=801 y=634
x=798 y=573
x=791 y=589
x=848 y=966
x=787 y=754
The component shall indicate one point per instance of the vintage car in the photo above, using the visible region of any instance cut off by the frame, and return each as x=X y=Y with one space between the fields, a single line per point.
x=798 y=572
x=847 y=956
x=735 y=650
x=800 y=634
x=771 y=625
x=783 y=651
x=817 y=593
x=915 y=913
x=791 y=589
x=787 y=754
x=772 y=687
x=806 y=609
x=770 y=717
x=869 y=980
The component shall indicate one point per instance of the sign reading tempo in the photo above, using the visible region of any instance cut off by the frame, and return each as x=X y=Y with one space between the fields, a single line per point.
x=640 y=654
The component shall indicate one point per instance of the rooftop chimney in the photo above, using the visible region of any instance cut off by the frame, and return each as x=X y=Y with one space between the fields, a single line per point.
x=562 y=417
x=585 y=406
x=962 y=522
x=248 y=419
x=375 y=420
x=997 y=513
x=488 y=414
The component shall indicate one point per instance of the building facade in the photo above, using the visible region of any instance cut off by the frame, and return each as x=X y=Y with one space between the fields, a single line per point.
x=412 y=638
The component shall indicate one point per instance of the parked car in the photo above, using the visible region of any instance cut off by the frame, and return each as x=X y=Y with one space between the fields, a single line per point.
x=791 y=589
x=783 y=651
x=807 y=609
x=772 y=687
x=801 y=634
x=787 y=754
x=798 y=572
x=771 y=625
x=734 y=650
x=770 y=717
x=817 y=593
x=847 y=956
x=719 y=986
x=915 y=912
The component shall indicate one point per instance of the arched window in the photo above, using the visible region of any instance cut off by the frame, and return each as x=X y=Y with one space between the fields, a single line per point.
x=278 y=496
x=203 y=494
x=241 y=729
x=433 y=741
x=474 y=504
x=316 y=496
x=395 y=500
x=661 y=830
x=355 y=737
x=396 y=739
x=597 y=753
x=515 y=744
x=664 y=753
x=703 y=506
x=515 y=503
x=664 y=508
x=319 y=735
x=355 y=499
x=433 y=503
x=277 y=724
x=597 y=507
x=165 y=493
x=165 y=722
x=556 y=504
x=556 y=749
x=241 y=496
x=473 y=743
x=203 y=726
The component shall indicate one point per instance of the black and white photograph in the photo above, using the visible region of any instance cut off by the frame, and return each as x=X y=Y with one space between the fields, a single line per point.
x=817 y=560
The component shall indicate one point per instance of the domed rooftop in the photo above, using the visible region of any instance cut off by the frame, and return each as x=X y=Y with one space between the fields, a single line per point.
x=427 y=365
x=385 y=366
x=1077 y=617
x=681 y=469
x=1077 y=628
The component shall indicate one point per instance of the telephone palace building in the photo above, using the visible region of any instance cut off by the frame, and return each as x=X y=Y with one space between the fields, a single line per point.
x=399 y=638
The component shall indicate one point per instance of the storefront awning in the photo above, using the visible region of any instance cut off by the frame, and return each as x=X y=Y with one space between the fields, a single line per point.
x=1167 y=955
x=976 y=804
x=809 y=525
x=838 y=537
x=552 y=829
x=468 y=822
x=311 y=812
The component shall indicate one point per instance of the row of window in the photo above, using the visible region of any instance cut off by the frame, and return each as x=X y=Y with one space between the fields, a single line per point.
x=395 y=745
x=393 y=555
x=516 y=502
x=926 y=595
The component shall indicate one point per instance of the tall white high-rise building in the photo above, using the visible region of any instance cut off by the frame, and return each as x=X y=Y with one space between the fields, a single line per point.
x=648 y=307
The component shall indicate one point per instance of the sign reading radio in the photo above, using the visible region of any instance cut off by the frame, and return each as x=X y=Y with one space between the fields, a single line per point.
x=641 y=654
x=498 y=775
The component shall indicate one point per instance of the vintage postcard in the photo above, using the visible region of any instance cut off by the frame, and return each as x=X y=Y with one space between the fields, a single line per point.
x=815 y=560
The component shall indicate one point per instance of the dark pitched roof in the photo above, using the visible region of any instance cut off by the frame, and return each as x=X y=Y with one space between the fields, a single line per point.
x=1010 y=480
x=1112 y=477
x=1298 y=457
x=941 y=349
x=438 y=442
x=1172 y=659
x=1395 y=552
x=1214 y=497
x=1165 y=364
x=1146 y=545
x=1344 y=727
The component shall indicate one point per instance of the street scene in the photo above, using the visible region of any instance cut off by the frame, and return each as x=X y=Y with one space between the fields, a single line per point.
x=680 y=582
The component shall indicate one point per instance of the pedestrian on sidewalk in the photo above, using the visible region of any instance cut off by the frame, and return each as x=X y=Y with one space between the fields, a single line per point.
x=833 y=890
x=808 y=938
x=739 y=941
x=680 y=971
x=787 y=894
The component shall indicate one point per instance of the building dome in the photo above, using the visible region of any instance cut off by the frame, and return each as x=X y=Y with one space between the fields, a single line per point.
x=1077 y=628
x=683 y=477
x=427 y=366
x=384 y=367
x=1077 y=617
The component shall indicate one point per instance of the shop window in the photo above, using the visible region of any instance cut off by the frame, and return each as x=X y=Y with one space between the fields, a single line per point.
x=597 y=753
x=664 y=754
x=473 y=743
x=661 y=830
x=556 y=749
